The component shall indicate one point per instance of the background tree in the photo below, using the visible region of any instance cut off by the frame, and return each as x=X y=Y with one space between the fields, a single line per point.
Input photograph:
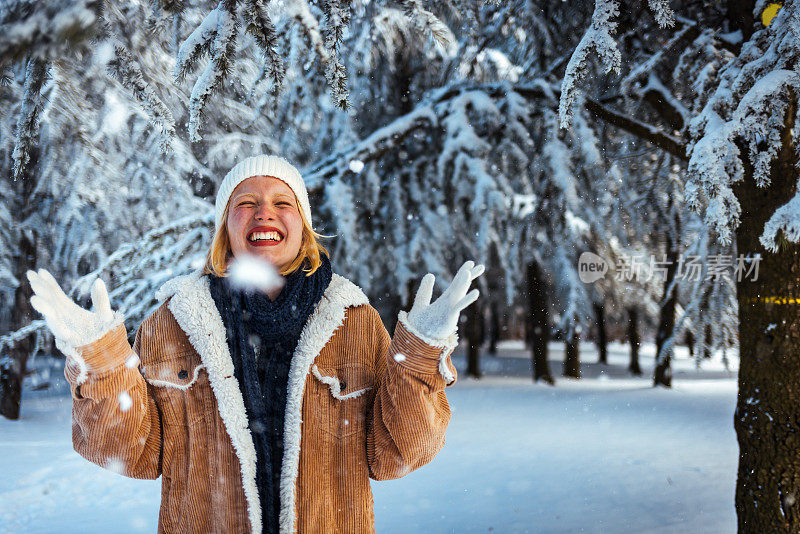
x=742 y=175
x=428 y=133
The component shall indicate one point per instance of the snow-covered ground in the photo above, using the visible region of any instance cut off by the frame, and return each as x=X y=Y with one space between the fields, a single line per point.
x=607 y=453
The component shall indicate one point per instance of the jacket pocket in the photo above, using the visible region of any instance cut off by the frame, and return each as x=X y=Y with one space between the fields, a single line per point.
x=175 y=382
x=344 y=405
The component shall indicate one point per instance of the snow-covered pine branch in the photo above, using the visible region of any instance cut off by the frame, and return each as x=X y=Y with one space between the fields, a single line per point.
x=663 y=13
x=141 y=267
x=412 y=214
x=697 y=71
x=30 y=113
x=760 y=116
x=168 y=6
x=260 y=26
x=197 y=44
x=337 y=18
x=785 y=221
x=45 y=28
x=300 y=11
x=747 y=109
x=215 y=36
x=559 y=162
x=38 y=329
x=598 y=40
x=427 y=22
x=370 y=148
x=633 y=85
x=458 y=193
x=222 y=50
x=128 y=72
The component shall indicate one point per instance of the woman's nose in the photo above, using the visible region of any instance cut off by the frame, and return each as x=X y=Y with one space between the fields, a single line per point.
x=264 y=212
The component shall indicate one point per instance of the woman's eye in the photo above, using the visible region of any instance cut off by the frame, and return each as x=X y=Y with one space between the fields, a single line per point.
x=283 y=204
x=245 y=203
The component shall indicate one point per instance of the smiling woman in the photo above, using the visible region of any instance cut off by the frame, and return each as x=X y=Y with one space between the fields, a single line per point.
x=263 y=219
x=259 y=205
x=262 y=411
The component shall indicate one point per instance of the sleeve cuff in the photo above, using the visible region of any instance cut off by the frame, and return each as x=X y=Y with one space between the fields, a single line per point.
x=422 y=353
x=112 y=350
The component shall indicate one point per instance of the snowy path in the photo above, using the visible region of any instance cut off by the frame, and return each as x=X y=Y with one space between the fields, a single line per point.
x=605 y=454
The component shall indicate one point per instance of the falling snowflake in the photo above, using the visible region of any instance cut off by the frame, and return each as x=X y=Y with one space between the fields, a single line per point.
x=125 y=401
x=356 y=166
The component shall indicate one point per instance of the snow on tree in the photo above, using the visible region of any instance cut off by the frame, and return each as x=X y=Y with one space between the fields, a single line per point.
x=29 y=115
x=450 y=147
x=465 y=166
x=750 y=102
x=45 y=29
x=738 y=81
x=129 y=74
x=599 y=41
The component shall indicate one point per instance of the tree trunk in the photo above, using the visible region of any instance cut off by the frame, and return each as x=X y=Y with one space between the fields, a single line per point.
x=494 y=328
x=706 y=347
x=403 y=79
x=473 y=328
x=666 y=321
x=634 y=341
x=767 y=417
x=707 y=332
x=572 y=362
x=393 y=302
x=602 y=339
x=689 y=341
x=538 y=324
x=13 y=363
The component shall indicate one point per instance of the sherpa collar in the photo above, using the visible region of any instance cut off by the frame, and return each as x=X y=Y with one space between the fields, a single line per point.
x=194 y=310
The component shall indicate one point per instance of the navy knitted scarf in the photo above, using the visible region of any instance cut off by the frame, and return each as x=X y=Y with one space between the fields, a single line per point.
x=262 y=335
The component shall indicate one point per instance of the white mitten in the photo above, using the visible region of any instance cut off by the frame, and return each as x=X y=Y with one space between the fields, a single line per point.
x=440 y=319
x=71 y=325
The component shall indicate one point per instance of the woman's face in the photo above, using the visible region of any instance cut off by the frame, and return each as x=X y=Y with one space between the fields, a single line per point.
x=264 y=221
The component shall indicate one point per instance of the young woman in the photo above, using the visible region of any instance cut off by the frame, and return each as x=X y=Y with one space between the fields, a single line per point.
x=263 y=410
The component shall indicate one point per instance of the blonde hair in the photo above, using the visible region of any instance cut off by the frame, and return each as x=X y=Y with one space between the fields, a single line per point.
x=309 y=256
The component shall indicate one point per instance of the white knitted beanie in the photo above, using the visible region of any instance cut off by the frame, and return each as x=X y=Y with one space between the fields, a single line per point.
x=257 y=166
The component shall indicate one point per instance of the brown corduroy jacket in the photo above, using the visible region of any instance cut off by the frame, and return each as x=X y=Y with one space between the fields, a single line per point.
x=360 y=405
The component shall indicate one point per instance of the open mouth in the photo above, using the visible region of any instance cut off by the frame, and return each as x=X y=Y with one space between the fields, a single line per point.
x=264 y=237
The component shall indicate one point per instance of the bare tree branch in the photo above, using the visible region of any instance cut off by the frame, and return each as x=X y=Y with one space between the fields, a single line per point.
x=642 y=130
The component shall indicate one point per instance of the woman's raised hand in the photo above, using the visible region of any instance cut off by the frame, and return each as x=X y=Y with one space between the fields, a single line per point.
x=71 y=324
x=440 y=319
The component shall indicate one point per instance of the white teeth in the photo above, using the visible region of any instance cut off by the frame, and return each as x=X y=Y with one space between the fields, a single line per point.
x=267 y=236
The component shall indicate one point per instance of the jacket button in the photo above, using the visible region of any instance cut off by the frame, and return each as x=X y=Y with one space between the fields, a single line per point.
x=342 y=385
x=183 y=374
